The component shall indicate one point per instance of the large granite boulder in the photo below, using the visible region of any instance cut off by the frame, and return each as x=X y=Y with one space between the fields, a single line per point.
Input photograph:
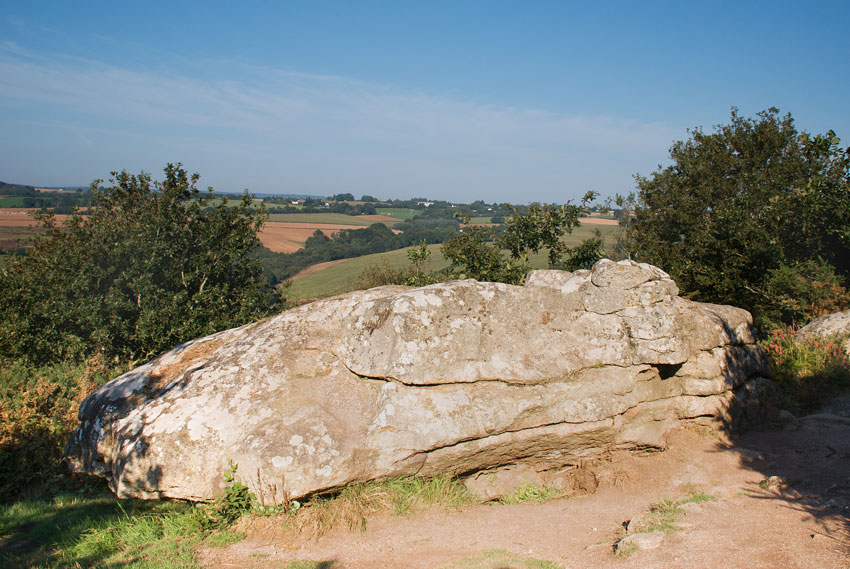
x=455 y=377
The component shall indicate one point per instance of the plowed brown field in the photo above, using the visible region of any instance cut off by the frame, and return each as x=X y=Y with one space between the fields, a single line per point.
x=285 y=237
x=20 y=218
x=277 y=236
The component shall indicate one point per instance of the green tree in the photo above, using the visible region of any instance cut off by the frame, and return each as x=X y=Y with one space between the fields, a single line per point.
x=474 y=255
x=477 y=252
x=151 y=265
x=585 y=254
x=346 y=197
x=746 y=210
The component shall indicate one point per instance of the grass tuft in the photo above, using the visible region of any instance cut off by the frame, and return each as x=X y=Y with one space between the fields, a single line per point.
x=531 y=492
x=353 y=505
x=626 y=550
x=663 y=515
x=222 y=538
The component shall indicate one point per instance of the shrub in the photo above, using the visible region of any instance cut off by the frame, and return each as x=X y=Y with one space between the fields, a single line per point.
x=744 y=211
x=382 y=273
x=38 y=412
x=416 y=274
x=807 y=369
x=153 y=264
x=236 y=501
x=479 y=252
x=802 y=292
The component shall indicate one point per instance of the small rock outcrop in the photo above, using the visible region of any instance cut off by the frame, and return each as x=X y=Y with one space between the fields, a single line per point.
x=457 y=377
x=836 y=324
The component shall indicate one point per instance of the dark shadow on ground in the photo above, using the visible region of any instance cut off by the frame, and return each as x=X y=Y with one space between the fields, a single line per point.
x=806 y=465
x=32 y=529
x=804 y=462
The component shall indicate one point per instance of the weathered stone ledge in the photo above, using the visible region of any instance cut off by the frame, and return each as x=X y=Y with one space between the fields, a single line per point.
x=467 y=376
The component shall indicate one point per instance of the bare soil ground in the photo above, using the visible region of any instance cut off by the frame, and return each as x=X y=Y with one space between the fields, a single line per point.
x=277 y=236
x=799 y=519
x=283 y=237
x=20 y=217
x=288 y=237
x=598 y=221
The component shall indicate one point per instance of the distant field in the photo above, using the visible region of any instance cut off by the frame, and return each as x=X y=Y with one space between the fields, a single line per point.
x=14 y=237
x=288 y=237
x=16 y=227
x=232 y=200
x=599 y=220
x=585 y=231
x=287 y=232
x=398 y=212
x=337 y=218
x=14 y=201
x=338 y=277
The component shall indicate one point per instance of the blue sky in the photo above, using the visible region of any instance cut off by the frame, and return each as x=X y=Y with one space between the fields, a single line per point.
x=459 y=100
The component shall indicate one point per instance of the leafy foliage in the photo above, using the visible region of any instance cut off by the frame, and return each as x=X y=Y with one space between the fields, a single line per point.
x=151 y=266
x=38 y=412
x=342 y=197
x=585 y=254
x=809 y=370
x=415 y=274
x=745 y=212
x=419 y=257
x=477 y=252
x=236 y=501
x=349 y=243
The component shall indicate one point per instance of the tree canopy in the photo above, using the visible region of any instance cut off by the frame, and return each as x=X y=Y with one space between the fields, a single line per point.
x=479 y=253
x=754 y=214
x=151 y=265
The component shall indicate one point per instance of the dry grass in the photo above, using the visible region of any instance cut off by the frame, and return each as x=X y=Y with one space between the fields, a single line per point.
x=354 y=505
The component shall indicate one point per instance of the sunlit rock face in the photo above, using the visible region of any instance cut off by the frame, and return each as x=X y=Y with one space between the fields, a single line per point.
x=453 y=378
x=835 y=325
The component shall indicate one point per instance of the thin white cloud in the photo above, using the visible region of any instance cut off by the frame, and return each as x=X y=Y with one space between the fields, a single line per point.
x=327 y=133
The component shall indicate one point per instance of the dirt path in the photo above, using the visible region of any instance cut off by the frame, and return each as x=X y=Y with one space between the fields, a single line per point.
x=799 y=520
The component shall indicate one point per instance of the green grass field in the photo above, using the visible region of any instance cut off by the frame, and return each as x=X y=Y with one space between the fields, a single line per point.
x=579 y=234
x=338 y=218
x=339 y=278
x=14 y=201
x=401 y=213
